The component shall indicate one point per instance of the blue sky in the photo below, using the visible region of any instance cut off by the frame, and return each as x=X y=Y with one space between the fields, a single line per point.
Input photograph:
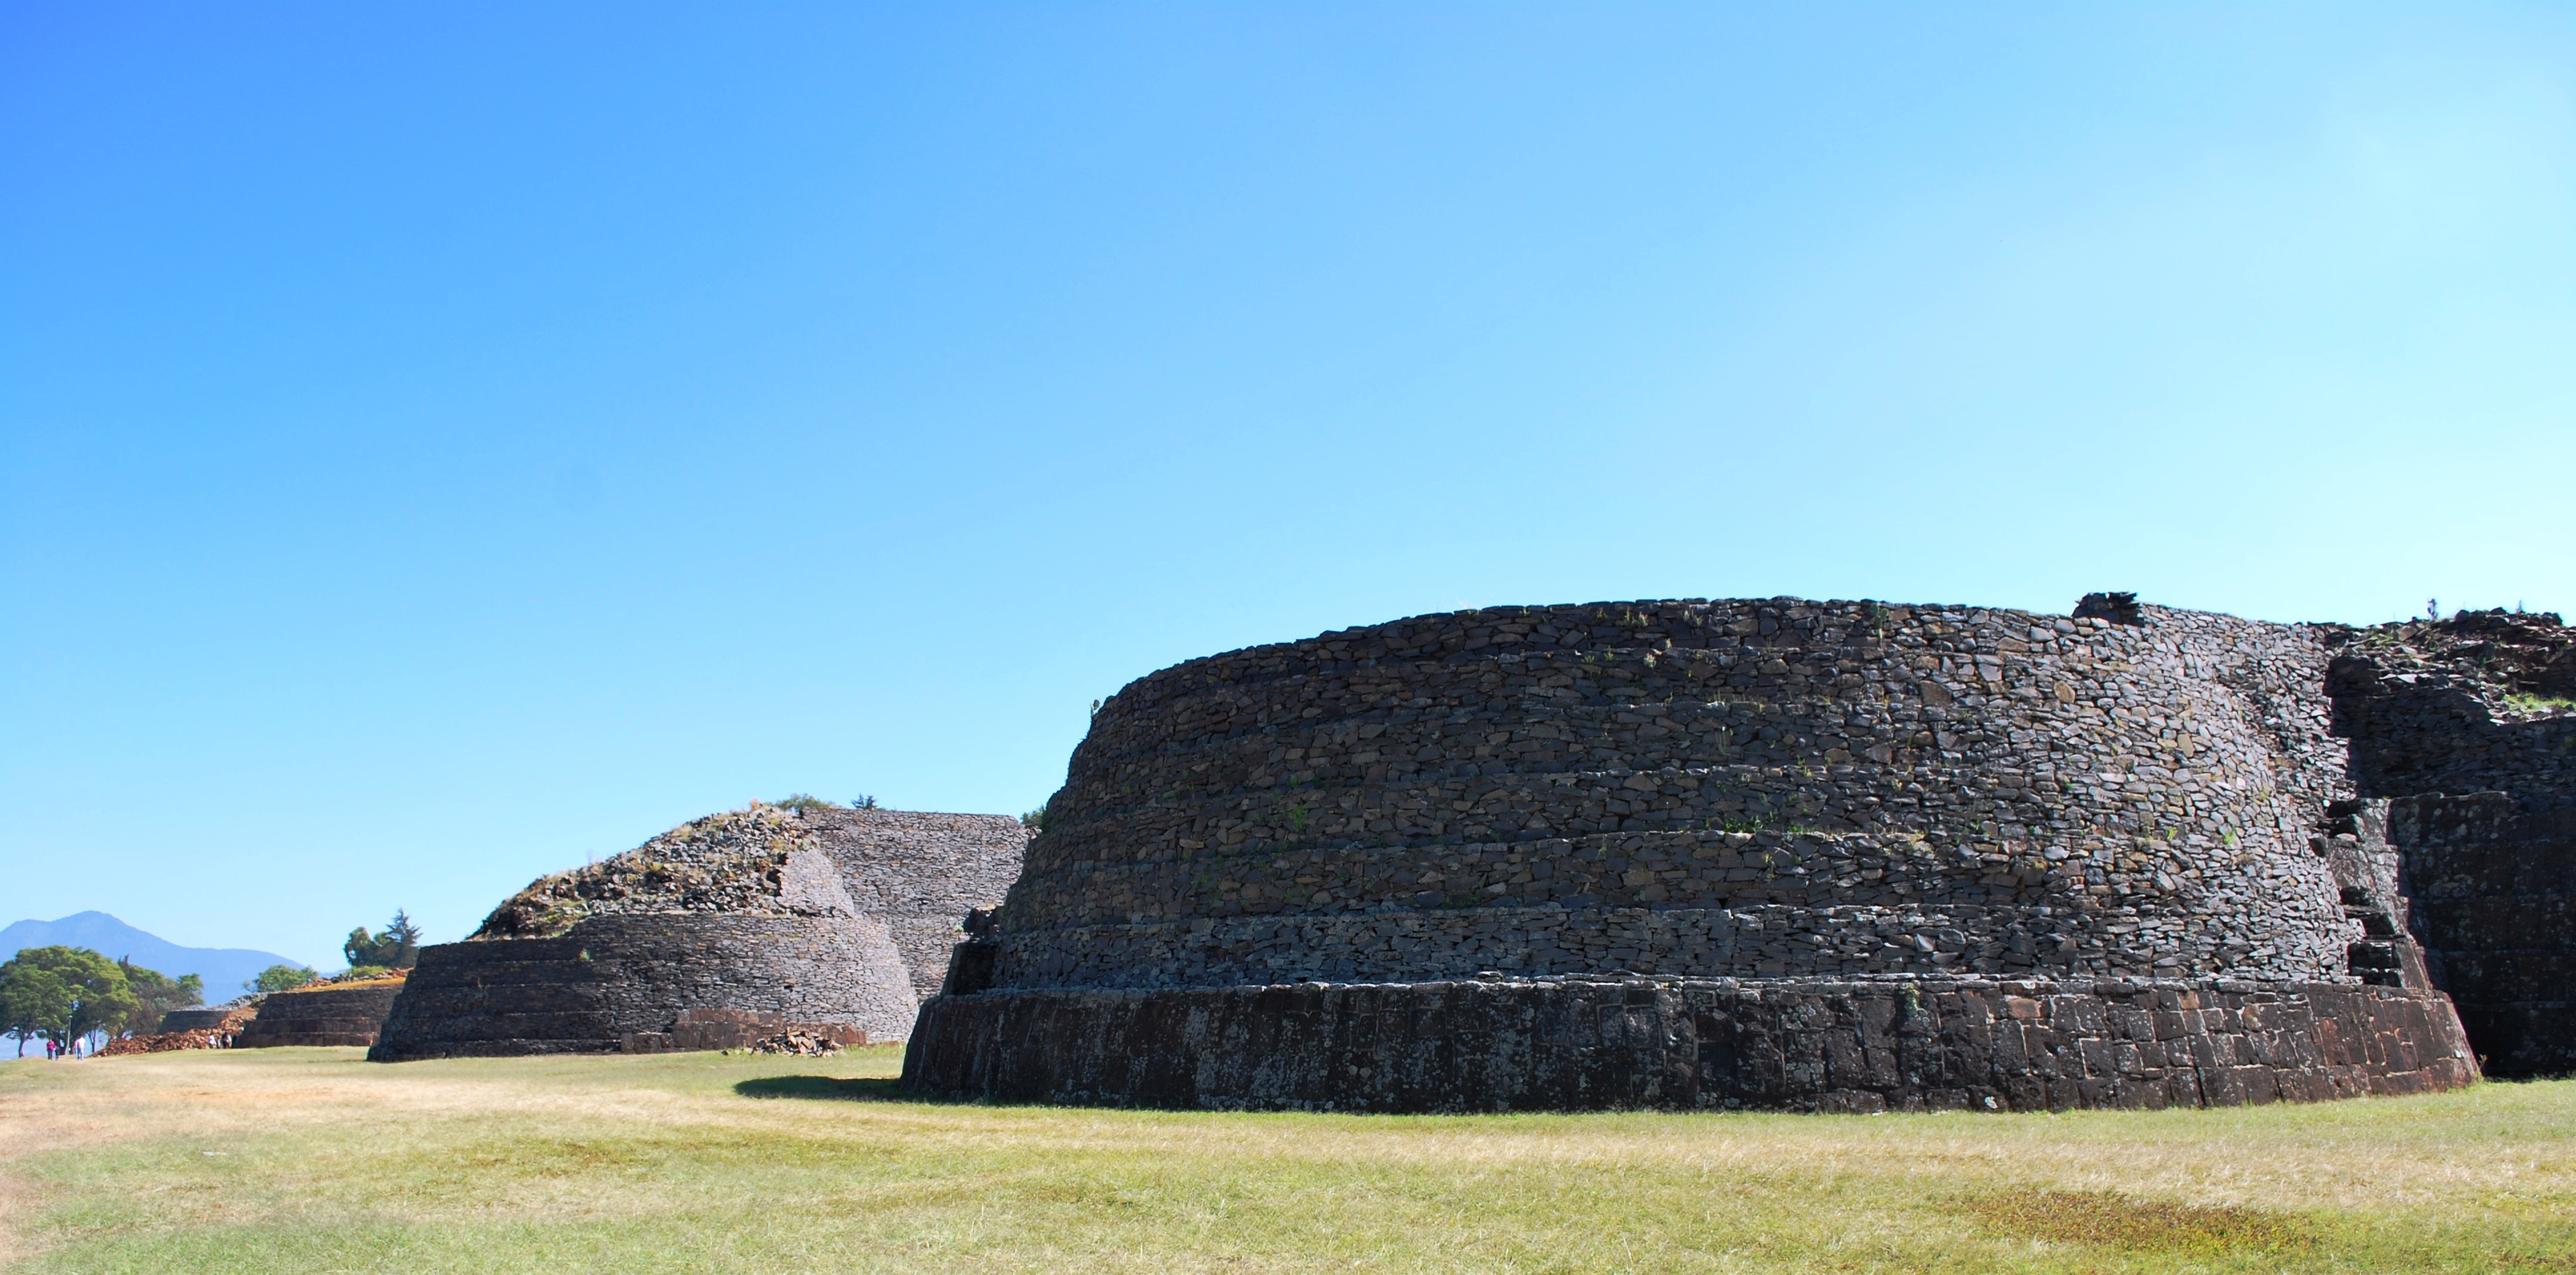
x=440 y=444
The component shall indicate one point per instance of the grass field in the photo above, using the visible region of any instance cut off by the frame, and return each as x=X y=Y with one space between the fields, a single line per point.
x=312 y=1160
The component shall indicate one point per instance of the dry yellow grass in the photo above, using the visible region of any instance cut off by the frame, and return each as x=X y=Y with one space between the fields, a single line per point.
x=314 y=1160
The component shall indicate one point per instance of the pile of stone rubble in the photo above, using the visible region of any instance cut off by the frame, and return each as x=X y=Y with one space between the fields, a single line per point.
x=798 y=1043
x=166 y=1042
x=729 y=862
x=208 y=1028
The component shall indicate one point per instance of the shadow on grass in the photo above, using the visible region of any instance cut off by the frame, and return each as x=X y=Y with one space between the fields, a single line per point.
x=871 y=1089
x=855 y=1089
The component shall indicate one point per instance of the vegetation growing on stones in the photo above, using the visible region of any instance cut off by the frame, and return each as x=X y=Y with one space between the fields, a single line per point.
x=280 y=978
x=728 y=862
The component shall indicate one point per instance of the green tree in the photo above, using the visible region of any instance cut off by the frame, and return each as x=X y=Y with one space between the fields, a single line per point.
x=280 y=978
x=155 y=994
x=64 y=993
x=395 y=949
x=28 y=1000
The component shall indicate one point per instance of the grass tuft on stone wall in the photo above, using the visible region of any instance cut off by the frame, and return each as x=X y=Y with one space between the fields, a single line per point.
x=2536 y=704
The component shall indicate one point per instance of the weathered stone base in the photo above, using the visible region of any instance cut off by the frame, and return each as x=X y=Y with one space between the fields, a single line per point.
x=1564 y=1045
x=640 y=980
x=322 y=1016
x=708 y=1029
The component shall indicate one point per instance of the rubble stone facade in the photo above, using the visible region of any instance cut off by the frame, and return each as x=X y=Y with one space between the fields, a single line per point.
x=351 y=1015
x=614 y=982
x=821 y=918
x=2463 y=737
x=920 y=873
x=1729 y=800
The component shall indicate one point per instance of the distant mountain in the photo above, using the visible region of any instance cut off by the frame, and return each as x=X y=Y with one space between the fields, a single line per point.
x=225 y=969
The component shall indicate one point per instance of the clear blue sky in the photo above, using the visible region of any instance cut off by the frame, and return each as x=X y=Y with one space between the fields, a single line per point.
x=439 y=444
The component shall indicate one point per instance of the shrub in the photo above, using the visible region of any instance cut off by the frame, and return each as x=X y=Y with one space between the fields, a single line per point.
x=280 y=978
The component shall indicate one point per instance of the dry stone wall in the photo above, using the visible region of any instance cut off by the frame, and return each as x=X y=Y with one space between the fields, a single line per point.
x=1729 y=799
x=920 y=873
x=2463 y=736
x=1732 y=788
x=829 y=916
x=351 y=1015
x=917 y=873
x=617 y=980
x=2482 y=702
x=2495 y=899
x=225 y=1019
x=1821 y=1045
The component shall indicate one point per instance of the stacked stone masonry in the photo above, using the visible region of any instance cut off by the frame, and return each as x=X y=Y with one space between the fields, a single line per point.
x=2492 y=888
x=615 y=982
x=822 y=918
x=1905 y=1045
x=351 y=1015
x=2463 y=736
x=220 y=1018
x=920 y=873
x=1751 y=790
x=917 y=873
x=1774 y=788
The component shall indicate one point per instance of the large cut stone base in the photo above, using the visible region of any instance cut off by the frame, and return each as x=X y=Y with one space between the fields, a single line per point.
x=1567 y=1045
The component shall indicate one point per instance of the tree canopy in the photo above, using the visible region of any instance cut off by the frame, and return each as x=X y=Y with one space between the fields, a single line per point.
x=63 y=994
x=156 y=993
x=280 y=978
x=395 y=949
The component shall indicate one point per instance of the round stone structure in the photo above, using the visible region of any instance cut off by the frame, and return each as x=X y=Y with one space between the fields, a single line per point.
x=718 y=931
x=638 y=983
x=1779 y=853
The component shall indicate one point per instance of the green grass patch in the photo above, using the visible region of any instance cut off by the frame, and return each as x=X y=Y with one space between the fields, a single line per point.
x=312 y=1160
x=2108 y=1219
